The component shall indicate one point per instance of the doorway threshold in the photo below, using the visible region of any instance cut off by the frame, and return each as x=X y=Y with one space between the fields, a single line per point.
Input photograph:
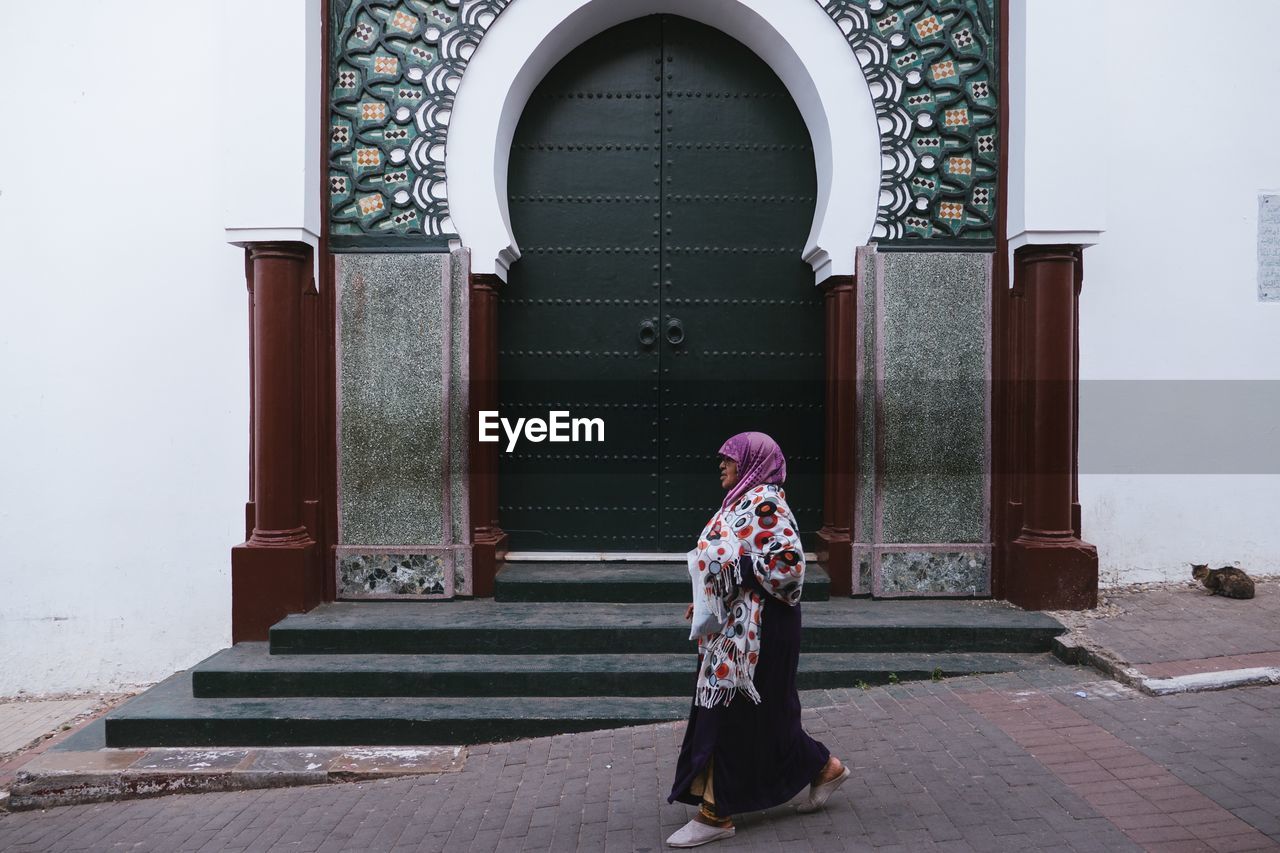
x=605 y=557
x=592 y=557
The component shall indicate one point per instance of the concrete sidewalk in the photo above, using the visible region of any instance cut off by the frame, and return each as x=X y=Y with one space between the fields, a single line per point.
x=23 y=721
x=1175 y=638
x=33 y=724
x=1045 y=759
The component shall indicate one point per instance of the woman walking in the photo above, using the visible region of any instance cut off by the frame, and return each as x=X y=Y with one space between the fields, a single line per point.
x=744 y=749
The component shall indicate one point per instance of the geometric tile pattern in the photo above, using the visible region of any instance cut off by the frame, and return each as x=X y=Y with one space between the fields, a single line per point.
x=395 y=66
x=931 y=67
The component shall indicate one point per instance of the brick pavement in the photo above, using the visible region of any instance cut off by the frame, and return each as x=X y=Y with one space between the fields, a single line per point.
x=1004 y=762
x=1149 y=802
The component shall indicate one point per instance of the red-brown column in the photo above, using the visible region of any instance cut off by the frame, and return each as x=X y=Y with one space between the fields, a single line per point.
x=1049 y=566
x=276 y=571
x=837 y=521
x=487 y=537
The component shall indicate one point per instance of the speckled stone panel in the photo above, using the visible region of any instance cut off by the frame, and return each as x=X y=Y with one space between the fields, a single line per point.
x=934 y=341
x=935 y=572
x=384 y=575
x=864 y=573
x=459 y=446
x=866 y=395
x=391 y=474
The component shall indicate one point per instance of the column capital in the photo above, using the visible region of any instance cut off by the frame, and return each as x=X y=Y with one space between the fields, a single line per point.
x=1048 y=253
x=833 y=283
x=291 y=250
x=487 y=281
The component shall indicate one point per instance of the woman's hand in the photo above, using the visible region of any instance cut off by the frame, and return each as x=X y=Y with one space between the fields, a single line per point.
x=688 y=613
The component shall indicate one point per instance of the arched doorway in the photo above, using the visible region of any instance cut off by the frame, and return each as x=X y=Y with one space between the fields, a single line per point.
x=661 y=186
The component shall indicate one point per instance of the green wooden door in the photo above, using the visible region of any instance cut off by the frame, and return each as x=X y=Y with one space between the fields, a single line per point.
x=661 y=187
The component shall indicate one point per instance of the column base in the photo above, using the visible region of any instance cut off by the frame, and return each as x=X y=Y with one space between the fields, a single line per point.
x=838 y=548
x=487 y=551
x=1051 y=574
x=268 y=583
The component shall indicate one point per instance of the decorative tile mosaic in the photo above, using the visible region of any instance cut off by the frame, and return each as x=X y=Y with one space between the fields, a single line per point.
x=396 y=64
x=935 y=572
x=394 y=68
x=400 y=575
x=931 y=66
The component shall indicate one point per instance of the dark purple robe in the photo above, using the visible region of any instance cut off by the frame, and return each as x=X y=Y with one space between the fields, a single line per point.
x=762 y=756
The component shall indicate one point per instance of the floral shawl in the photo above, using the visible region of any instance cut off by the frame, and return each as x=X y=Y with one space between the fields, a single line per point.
x=761 y=527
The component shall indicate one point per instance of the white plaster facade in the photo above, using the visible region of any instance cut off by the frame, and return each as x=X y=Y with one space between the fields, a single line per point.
x=1170 y=294
x=125 y=391
x=1132 y=131
x=125 y=413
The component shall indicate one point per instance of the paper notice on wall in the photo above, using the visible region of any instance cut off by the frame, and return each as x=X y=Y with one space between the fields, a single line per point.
x=1269 y=248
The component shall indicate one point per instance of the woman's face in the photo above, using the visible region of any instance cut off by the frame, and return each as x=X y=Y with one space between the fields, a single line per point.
x=728 y=473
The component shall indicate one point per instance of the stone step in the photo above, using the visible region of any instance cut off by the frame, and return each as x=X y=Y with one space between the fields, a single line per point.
x=169 y=715
x=247 y=670
x=622 y=582
x=498 y=628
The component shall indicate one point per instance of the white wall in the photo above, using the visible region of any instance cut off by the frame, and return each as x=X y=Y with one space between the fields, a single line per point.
x=270 y=94
x=1170 y=293
x=123 y=346
x=1056 y=155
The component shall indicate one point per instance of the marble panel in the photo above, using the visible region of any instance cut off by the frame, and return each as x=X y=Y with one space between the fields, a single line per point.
x=375 y=761
x=935 y=572
x=458 y=414
x=459 y=392
x=294 y=760
x=209 y=760
x=462 y=570
x=864 y=573
x=933 y=351
x=378 y=575
x=865 y=399
x=391 y=398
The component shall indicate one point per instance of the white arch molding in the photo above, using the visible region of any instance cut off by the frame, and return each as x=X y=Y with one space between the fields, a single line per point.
x=796 y=38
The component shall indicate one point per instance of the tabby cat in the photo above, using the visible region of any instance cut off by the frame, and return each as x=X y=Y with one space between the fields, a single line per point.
x=1228 y=580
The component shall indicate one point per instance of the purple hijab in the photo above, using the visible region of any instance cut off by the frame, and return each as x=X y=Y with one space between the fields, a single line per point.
x=759 y=459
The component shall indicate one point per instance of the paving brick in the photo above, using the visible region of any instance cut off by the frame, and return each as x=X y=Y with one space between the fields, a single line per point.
x=1235 y=843
x=963 y=764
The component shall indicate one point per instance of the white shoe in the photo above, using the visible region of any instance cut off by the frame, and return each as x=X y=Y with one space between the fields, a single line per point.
x=694 y=833
x=818 y=794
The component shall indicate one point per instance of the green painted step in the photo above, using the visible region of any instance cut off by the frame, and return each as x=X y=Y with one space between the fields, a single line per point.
x=247 y=670
x=168 y=715
x=621 y=582
x=392 y=673
x=487 y=627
